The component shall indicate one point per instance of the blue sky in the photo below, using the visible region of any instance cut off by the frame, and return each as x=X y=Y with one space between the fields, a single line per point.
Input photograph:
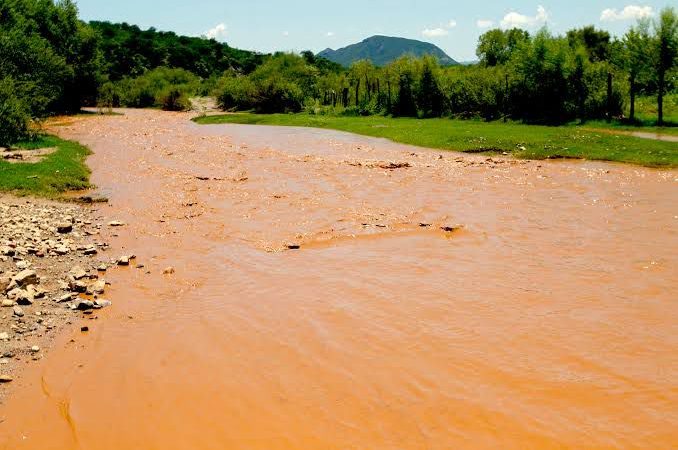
x=267 y=25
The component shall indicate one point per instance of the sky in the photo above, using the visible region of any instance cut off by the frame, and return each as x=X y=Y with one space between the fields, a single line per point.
x=295 y=25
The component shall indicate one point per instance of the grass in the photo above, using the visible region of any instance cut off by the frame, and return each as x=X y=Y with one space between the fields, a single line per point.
x=522 y=141
x=55 y=174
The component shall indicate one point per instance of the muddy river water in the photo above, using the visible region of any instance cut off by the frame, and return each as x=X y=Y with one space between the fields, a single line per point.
x=546 y=319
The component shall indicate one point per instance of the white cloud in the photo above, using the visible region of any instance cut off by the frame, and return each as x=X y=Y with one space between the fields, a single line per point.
x=516 y=20
x=435 y=32
x=329 y=34
x=630 y=12
x=483 y=23
x=440 y=31
x=218 y=32
x=285 y=33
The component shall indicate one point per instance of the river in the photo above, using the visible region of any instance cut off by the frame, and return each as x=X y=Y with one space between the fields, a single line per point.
x=544 y=317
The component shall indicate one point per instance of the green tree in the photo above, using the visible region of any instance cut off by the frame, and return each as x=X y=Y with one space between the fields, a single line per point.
x=14 y=114
x=596 y=42
x=632 y=57
x=666 y=43
x=496 y=47
x=430 y=98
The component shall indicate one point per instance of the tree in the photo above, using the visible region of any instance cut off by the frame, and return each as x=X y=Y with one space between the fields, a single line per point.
x=495 y=47
x=633 y=58
x=666 y=43
x=596 y=42
x=405 y=105
x=429 y=96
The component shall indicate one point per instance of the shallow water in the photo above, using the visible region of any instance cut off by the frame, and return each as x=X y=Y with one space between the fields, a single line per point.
x=546 y=320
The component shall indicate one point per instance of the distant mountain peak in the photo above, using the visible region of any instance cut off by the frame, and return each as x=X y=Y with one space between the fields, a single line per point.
x=381 y=50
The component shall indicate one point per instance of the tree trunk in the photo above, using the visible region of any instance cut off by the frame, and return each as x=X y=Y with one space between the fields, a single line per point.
x=506 y=98
x=632 y=93
x=357 y=92
x=367 y=84
x=388 y=105
x=660 y=98
x=609 y=97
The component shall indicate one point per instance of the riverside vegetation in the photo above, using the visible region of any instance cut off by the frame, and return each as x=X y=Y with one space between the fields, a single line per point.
x=51 y=62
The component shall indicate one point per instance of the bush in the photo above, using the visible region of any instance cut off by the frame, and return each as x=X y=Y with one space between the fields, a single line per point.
x=14 y=114
x=174 y=99
x=162 y=87
x=235 y=93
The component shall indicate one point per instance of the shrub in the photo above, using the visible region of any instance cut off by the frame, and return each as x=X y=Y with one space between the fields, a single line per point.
x=174 y=99
x=162 y=87
x=235 y=93
x=14 y=114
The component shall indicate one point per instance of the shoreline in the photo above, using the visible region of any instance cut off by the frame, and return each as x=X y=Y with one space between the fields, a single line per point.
x=53 y=264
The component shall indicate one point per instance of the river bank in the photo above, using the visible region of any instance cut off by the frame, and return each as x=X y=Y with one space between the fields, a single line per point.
x=336 y=291
x=53 y=261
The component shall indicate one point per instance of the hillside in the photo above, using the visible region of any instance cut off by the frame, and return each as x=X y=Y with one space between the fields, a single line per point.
x=129 y=50
x=381 y=50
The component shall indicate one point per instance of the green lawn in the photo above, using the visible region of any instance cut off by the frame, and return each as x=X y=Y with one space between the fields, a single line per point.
x=55 y=174
x=522 y=141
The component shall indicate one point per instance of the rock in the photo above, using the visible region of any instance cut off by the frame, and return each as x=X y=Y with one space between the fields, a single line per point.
x=168 y=271
x=24 y=299
x=84 y=305
x=116 y=223
x=18 y=311
x=4 y=336
x=449 y=229
x=26 y=277
x=61 y=250
x=35 y=292
x=6 y=379
x=35 y=349
x=293 y=247
x=22 y=265
x=78 y=273
x=7 y=251
x=97 y=287
x=64 y=298
x=77 y=286
x=102 y=268
x=7 y=303
x=93 y=198
x=84 y=329
x=4 y=283
x=101 y=303
x=90 y=251
x=64 y=227
x=123 y=261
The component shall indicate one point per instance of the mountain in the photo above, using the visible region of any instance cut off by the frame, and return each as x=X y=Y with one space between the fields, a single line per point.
x=381 y=50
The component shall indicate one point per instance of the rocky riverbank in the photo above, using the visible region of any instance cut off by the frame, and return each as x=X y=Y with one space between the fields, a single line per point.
x=53 y=264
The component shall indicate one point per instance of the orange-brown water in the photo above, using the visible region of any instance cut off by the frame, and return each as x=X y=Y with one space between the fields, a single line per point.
x=547 y=321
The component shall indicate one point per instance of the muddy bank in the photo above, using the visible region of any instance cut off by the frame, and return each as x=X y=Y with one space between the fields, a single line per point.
x=334 y=291
x=53 y=261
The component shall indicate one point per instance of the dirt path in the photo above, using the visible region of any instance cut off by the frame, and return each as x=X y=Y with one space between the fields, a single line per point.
x=545 y=317
x=639 y=134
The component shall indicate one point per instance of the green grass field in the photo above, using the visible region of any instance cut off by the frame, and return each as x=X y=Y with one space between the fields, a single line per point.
x=522 y=141
x=55 y=174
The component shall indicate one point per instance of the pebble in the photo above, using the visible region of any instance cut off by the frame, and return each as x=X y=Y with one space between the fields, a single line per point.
x=18 y=311
x=78 y=273
x=35 y=349
x=64 y=227
x=168 y=271
x=6 y=379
